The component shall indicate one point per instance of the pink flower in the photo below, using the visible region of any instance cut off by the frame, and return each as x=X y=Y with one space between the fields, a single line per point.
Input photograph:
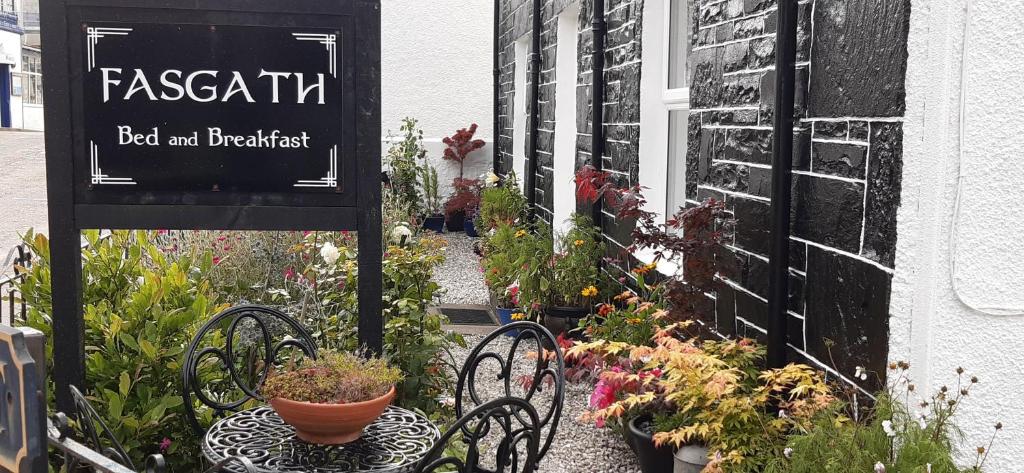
x=289 y=273
x=216 y=260
x=603 y=395
x=165 y=444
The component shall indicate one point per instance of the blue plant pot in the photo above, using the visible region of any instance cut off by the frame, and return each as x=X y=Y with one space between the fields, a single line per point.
x=470 y=228
x=505 y=317
x=434 y=223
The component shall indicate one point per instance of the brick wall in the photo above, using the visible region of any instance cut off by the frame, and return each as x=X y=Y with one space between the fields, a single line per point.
x=847 y=164
x=620 y=101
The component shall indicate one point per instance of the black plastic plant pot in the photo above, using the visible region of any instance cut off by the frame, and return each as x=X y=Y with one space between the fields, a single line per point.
x=561 y=320
x=652 y=459
x=456 y=222
x=434 y=223
x=470 y=228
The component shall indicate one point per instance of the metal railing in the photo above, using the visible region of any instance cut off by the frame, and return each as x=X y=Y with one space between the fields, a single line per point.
x=12 y=306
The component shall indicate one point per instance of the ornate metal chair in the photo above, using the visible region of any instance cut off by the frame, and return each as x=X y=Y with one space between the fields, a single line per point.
x=526 y=372
x=245 y=342
x=102 y=452
x=509 y=427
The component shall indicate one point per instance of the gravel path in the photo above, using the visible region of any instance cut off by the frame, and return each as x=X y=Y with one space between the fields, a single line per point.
x=460 y=274
x=578 y=447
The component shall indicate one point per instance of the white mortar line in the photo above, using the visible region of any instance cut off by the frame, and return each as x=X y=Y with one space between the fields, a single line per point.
x=751 y=325
x=734 y=193
x=845 y=253
x=741 y=163
x=855 y=119
x=847 y=141
x=867 y=173
x=735 y=41
x=829 y=176
x=755 y=15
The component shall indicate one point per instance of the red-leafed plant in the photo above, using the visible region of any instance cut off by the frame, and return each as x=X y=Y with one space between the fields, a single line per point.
x=465 y=199
x=690 y=237
x=460 y=145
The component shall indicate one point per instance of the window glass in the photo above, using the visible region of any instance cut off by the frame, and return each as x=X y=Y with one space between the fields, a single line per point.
x=676 y=185
x=679 y=36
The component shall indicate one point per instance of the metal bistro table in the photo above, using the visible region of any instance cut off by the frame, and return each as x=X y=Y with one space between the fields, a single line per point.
x=393 y=443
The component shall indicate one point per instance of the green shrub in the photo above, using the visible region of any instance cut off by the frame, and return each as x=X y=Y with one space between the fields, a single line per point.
x=141 y=310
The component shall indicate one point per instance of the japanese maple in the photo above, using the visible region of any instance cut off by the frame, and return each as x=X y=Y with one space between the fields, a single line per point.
x=460 y=145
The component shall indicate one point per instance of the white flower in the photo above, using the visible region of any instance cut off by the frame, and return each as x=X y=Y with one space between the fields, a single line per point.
x=887 y=427
x=400 y=234
x=330 y=253
x=782 y=414
x=788 y=452
x=879 y=467
x=492 y=179
x=861 y=373
x=929 y=468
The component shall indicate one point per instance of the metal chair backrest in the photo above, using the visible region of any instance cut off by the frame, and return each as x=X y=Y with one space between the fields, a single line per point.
x=545 y=370
x=247 y=341
x=502 y=435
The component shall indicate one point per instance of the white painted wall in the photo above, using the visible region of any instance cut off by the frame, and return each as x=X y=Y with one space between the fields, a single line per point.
x=436 y=66
x=519 y=110
x=566 y=77
x=938 y=325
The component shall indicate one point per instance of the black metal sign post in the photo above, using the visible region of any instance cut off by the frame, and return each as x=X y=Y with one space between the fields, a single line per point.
x=214 y=114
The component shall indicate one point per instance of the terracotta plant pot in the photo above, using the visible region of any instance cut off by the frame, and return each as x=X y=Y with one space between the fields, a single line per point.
x=331 y=424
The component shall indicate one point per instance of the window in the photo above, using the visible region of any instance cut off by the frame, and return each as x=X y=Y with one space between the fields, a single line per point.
x=566 y=79
x=665 y=102
x=31 y=77
x=676 y=98
x=520 y=110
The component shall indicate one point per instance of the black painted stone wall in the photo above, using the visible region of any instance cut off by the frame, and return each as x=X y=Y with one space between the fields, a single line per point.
x=620 y=101
x=847 y=165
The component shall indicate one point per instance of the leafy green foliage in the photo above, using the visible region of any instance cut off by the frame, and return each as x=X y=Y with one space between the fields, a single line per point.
x=405 y=170
x=573 y=268
x=141 y=309
x=902 y=431
x=502 y=204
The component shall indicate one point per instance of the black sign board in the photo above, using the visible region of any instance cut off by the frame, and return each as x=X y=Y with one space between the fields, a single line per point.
x=252 y=112
x=213 y=114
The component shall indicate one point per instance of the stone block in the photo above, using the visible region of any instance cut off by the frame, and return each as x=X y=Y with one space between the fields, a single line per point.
x=831 y=130
x=753 y=224
x=828 y=211
x=839 y=159
x=749 y=145
x=859 y=58
x=885 y=176
x=848 y=306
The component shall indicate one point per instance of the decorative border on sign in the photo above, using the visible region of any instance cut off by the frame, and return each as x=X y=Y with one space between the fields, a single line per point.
x=97 y=174
x=93 y=35
x=331 y=180
x=330 y=41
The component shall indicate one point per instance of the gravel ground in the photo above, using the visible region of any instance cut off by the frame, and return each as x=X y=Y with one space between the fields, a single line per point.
x=578 y=447
x=460 y=273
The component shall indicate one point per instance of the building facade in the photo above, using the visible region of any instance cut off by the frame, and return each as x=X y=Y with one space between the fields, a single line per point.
x=689 y=94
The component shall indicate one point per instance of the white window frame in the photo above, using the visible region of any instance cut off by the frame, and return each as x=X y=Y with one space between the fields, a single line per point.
x=657 y=101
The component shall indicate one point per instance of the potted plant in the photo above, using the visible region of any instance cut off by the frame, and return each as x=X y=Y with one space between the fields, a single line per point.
x=331 y=400
x=434 y=219
x=459 y=146
x=404 y=159
x=709 y=394
x=574 y=276
x=470 y=224
x=501 y=202
x=464 y=200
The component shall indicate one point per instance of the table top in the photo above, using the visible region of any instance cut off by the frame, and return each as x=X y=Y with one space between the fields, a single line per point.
x=393 y=443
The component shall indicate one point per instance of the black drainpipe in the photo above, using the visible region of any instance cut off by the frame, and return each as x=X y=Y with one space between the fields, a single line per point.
x=597 y=88
x=530 y=184
x=496 y=162
x=782 y=179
